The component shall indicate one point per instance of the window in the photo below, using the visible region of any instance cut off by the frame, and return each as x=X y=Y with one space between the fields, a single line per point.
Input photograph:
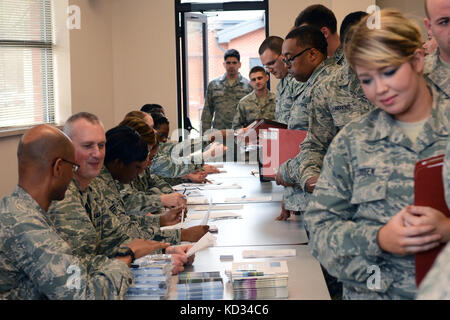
x=26 y=63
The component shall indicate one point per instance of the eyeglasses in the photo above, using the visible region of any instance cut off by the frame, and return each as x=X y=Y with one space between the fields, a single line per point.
x=271 y=63
x=75 y=166
x=288 y=62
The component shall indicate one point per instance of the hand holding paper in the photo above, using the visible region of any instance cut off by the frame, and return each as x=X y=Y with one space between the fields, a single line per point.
x=208 y=240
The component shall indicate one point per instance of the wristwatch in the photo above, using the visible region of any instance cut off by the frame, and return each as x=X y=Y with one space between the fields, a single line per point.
x=125 y=252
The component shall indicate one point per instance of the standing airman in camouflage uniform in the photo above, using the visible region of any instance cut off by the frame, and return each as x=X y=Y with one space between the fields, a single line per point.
x=335 y=102
x=322 y=18
x=306 y=60
x=360 y=218
x=259 y=104
x=223 y=94
x=285 y=97
x=36 y=262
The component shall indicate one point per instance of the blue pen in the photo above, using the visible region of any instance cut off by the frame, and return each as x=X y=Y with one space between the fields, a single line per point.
x=244 y=196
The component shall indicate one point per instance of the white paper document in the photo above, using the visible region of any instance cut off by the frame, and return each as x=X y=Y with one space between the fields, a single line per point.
x=197 y=200
x=214 y=215
x=186 y=188
x=208 y=240
x=244 y=199
x=269 y=253
x=217 y=207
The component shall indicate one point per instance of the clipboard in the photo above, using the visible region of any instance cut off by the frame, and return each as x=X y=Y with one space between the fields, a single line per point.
x=429 y=191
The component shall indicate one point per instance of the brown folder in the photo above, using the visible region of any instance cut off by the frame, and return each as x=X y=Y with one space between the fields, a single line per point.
x=429 y=191
x=277 y=146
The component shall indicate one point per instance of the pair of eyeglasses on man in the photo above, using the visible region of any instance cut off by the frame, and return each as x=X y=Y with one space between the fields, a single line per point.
x=289 y=61
x=75 y=166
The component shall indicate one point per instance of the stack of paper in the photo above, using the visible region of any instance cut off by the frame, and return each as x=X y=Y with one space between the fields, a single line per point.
x=200 y=286
x=152 y=278
x=260 y=280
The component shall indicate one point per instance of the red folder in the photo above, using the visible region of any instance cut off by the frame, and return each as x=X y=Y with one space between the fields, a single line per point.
x=429 y=191
x=252 y=136
x=277 y=146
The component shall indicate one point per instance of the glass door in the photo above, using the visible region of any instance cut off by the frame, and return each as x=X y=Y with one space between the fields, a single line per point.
x=195 y=69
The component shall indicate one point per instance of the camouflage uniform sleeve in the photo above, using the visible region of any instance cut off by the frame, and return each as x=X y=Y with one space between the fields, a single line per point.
x=162 y=184
x=135 y=226
x=206 y=113
x=321 y=132
x=177 y=160
x=73 y=224
x=344 y=246
x=140 y=203
x=37 y=251
x=436 y=285
x=239 y=116
x=154 y=232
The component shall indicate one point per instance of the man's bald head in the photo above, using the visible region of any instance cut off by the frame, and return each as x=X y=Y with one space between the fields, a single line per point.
x=40 y=146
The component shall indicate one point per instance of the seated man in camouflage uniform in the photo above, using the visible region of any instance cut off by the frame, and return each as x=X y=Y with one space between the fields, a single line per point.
x=259 y=104
x=35 y=259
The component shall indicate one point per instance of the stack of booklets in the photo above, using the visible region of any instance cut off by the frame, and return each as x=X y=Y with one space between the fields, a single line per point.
x=260 y=280
x=200 y=286
x=152 y=278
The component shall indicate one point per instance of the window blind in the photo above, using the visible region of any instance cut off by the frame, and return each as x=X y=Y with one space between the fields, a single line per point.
x=26 y=63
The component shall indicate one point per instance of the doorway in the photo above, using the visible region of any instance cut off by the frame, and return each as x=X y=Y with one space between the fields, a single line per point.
x=204 y=32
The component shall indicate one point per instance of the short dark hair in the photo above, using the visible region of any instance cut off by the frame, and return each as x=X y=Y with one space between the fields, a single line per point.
x=125 y=144
x=232 y=53
x=317 y=16
x=152 y=108
x=257 y=69
x=159 y=119
x=350 y=20
x=308 y=36
x=272 y=43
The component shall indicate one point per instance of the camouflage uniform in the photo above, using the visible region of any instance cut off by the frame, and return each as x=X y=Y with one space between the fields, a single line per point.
x=83 y=221
x=222 y=99
x=146 y=189
x=137 y=226
x=284 y=97
x=335 y=102
x=294 y=198
x=339 y=56
x=163 y=164
x=436 y=285
x=35 y=262
x=251 y=108
x=437 y=74
x=151 y=183
x=367 y=178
